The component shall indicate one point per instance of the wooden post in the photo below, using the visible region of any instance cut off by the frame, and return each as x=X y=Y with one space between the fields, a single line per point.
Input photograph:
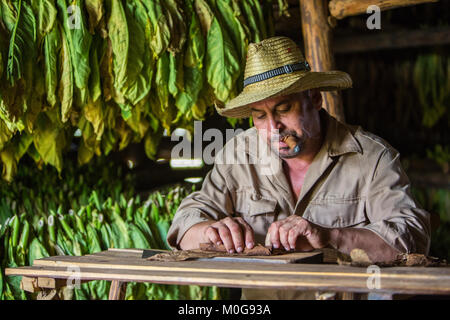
x=29 y=284
x=117 y=290
x=344 y=8
x=317 y=37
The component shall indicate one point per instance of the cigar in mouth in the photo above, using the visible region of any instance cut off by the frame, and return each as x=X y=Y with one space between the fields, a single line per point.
x=291 y=142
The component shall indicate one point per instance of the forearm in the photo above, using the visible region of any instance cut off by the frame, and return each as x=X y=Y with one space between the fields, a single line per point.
x=345 y=240
x=194 y=236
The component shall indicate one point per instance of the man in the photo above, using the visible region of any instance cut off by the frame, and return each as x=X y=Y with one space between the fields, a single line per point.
x=339 y=186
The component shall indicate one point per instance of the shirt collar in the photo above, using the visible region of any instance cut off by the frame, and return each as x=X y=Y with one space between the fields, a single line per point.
x=339 y=138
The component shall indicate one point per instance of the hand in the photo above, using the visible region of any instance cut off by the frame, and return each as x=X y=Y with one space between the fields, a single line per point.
x=234 y=233
x=296 y=233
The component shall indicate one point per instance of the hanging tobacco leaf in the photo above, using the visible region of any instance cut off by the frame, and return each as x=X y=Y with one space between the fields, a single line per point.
x=52 y=46
x=79 y=41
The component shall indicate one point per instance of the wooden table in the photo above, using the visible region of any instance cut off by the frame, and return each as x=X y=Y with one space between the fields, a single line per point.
x=126 y=265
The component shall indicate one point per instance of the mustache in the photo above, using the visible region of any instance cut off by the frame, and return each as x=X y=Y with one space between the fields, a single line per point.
x=288 y=133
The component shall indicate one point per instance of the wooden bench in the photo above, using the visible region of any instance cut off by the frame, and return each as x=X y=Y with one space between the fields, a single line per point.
x=126 y=265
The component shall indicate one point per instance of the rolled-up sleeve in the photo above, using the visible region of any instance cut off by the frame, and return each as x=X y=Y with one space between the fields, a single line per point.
x=391 y=209
x=212 y=202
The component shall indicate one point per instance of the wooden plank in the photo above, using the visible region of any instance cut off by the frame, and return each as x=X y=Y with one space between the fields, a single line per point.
x=51 y=283
x=319 y=281
x=408 y=273
x=295 y=257
x=344 y=8
x=317 y=38
x=117 y=290
x=394 y=40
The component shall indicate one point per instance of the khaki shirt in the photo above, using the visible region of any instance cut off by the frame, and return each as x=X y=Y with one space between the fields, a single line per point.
x=356 y=180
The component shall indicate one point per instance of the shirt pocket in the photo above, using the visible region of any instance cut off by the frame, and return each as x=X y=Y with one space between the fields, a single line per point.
x=337 y=212
x=259 y=211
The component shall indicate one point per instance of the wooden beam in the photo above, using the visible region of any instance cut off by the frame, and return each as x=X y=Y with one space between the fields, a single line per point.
x=344 y=8
x=393 y=40
x=117 y=290
x=317 y=37
x=29 y=284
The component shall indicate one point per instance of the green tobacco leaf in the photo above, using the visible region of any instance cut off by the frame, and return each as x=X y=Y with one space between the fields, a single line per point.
x=93 y=112
x=5 y=134
x=95 y=10
x=93 y=240
x=120 y=231
x=204 y=14
x=9 y=163
x=36 y=251
x=66 y=81
x=140 y=60
x=252 y=22
x=23 y=37
x=151 y=143
x=222 y=62
x=138 y=239
x=137 y=122
x=95 y=86
x=175 y=19
x=230 y=18
x=162 y=78
x=173 y=70
x=22 y=143
x=195 y=47
x=84 y=153
x=46 y=12
x=193 y=78
x=52 y=46
x=259 y=17
x=118 y=34
x=79 y=41
x=49 y=141
x=159 y=29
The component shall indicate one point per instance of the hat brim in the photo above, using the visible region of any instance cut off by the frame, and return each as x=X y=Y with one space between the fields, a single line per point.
x=283 y=85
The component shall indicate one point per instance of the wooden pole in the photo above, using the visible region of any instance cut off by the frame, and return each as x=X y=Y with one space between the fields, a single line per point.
x=344 y=8
x=317 y=37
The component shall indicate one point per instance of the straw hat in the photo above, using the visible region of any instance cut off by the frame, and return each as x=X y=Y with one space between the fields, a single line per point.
x=276 y=67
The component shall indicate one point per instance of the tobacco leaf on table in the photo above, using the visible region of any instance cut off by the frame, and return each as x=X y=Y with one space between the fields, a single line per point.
x=359 y=258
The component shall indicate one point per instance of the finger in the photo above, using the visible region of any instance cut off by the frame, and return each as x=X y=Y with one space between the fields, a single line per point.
x=284 y=231
x=248 y=233
x=274 y=234
x=213 y=235
x=225 y=236
x=236 y=234
x=292 y=237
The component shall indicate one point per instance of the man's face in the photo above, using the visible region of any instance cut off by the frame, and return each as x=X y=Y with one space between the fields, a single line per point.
x=294 y=115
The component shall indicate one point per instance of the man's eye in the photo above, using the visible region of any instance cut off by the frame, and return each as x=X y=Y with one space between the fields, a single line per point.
x=262 y=116
x=284 y=109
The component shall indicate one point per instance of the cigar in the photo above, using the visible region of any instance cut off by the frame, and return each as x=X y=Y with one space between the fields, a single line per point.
x=291 y=142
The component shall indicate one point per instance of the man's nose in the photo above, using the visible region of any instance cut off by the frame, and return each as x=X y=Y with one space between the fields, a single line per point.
x=274 y=124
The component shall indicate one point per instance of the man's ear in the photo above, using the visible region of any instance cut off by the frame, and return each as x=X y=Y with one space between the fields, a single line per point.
x=316 y=98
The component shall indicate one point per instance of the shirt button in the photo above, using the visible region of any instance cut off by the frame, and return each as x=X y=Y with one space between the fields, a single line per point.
x=256 y=197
